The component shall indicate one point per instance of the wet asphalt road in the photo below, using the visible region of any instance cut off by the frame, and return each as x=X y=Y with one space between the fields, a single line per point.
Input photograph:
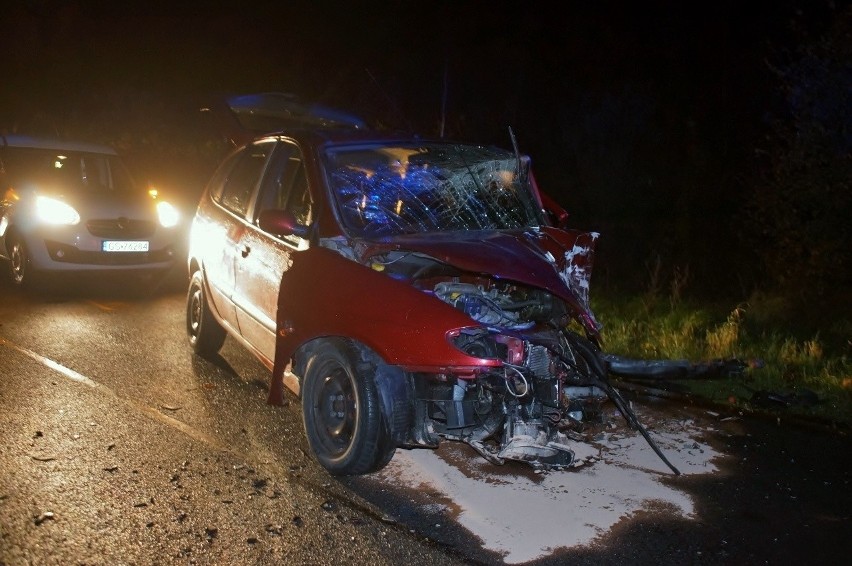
x=133 y=451
x=121 y=447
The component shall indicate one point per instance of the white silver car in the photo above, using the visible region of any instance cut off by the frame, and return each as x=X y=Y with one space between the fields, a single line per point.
x=71 y=206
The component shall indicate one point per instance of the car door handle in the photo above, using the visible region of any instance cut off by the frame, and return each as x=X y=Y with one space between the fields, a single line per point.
x=245 y=251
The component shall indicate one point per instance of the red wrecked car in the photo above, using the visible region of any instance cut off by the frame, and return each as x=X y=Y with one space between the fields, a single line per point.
x=409 y=290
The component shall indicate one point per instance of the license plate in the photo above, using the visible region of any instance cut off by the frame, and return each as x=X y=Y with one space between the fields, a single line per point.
x=125 y=246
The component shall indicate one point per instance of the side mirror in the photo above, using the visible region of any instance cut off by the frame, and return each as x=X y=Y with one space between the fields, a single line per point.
x=281 y=223
x=557 y=215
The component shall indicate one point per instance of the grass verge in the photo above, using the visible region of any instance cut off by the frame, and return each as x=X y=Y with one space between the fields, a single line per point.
x=795 y=371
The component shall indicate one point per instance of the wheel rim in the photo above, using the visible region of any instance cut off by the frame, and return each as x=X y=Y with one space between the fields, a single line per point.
x=195 y=305
x=19 y=261
x=336 y=411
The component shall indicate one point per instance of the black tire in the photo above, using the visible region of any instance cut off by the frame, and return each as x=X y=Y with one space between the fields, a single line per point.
x=206 y=335
x=342 y=411
x=21 y=271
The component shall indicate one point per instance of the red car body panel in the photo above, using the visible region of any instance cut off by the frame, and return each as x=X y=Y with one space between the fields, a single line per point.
x=402 y=324
x=405 y=326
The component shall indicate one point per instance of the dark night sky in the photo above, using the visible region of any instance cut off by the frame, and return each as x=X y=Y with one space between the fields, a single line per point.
x=546 y=69
x=638 y=115
x=509 y=61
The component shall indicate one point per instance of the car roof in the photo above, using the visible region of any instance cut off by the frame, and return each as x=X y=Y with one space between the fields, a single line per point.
x=270 y=108
x=319 y=137
x=55 y=144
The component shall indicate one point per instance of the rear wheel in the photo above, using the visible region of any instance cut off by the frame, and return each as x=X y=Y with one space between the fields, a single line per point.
x=342 y=411
x=206 y=335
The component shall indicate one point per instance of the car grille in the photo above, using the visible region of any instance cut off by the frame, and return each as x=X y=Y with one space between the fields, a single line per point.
x=121 y=228
x=69 y=254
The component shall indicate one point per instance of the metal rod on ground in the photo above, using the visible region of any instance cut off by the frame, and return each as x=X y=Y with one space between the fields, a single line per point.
x=634 y=422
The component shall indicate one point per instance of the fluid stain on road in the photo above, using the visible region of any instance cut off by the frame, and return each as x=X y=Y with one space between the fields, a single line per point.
x=523 y=515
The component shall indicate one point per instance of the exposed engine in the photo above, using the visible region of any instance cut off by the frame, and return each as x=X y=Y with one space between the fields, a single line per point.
x=504 y=307
x=550 y=384
x=530 y=408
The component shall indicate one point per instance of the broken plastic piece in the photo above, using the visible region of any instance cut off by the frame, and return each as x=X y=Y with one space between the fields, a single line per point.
x=676 y=369
x=804 y=397
x=47 y=515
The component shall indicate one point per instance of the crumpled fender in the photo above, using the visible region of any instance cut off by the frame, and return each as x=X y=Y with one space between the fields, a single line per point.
x=405 y=326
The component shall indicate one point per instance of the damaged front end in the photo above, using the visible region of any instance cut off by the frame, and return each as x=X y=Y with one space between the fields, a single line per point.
x=464 y=225
x=529 y=410
x=551 y=380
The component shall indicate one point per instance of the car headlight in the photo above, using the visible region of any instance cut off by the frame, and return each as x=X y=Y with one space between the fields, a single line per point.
x=169 y=215
x=53 y=211
x=474 y=341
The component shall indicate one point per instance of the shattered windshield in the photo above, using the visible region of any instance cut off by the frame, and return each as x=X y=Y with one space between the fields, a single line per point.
x=383 y=190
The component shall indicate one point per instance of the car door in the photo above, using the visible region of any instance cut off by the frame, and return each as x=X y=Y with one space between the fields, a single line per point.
x=7 y=195
x=265 y=257
x=227 y=224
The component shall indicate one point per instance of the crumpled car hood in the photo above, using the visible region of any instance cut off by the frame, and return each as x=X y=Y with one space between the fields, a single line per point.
x=559 y=261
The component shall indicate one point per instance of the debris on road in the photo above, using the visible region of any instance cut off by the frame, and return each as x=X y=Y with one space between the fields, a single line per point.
x=47 y=515
x=42 y=458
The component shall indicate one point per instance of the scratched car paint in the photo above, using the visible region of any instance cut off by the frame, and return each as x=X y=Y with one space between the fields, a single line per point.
x=410 y=291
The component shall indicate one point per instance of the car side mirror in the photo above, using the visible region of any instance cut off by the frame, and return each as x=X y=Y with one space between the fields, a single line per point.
x=281 y=223
x=558 y=219
x=556 y=215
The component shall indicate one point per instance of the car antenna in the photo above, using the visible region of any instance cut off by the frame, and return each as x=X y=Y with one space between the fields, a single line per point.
x=517 y=152
x=394 y=106
x=444 y=101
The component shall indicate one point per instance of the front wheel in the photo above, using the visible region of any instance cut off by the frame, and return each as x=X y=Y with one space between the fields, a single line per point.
x=206 y=335
x=20 y=266
x=342 y=411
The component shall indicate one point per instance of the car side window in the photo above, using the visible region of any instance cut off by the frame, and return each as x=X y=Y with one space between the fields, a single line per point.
x=217 y=182
x=285 y=185
x=243 y=178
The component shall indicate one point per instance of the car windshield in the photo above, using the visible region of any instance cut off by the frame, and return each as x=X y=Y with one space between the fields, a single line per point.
x=387 y=190
x=50 y=169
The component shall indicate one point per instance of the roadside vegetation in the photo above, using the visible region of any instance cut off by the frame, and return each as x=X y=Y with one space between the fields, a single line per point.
x=794 y=369
x=785 y=253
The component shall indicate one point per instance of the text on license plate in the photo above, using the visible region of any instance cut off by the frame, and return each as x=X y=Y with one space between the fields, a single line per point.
x=125 y=246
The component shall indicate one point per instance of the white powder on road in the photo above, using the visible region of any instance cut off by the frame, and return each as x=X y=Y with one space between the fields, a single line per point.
x=524 y=517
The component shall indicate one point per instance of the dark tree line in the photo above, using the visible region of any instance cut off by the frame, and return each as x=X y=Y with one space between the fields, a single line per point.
x=798 y=214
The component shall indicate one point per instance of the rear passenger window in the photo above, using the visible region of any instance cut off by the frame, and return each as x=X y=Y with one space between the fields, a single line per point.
x=243 y=178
